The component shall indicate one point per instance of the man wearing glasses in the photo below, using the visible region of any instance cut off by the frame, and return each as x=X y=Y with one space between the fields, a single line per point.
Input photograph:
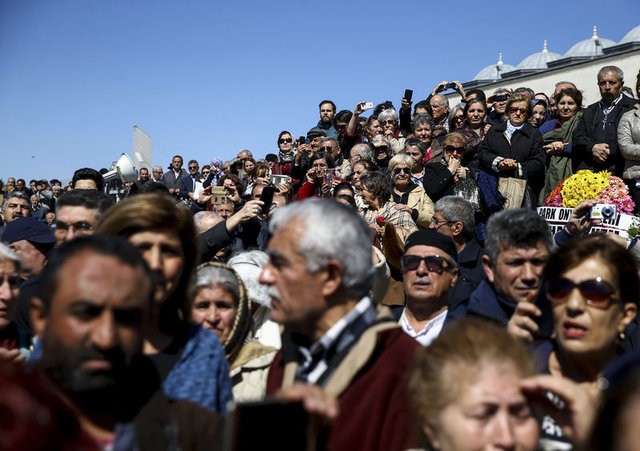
x=430 y=271
x=156 y=174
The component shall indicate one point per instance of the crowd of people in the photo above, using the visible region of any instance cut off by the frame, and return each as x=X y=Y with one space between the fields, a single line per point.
x=366 y=286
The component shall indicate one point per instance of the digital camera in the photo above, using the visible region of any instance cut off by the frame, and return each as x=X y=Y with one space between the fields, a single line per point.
x=603 y=211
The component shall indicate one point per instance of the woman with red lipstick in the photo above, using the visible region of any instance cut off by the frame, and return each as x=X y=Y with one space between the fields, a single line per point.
x=592 y=285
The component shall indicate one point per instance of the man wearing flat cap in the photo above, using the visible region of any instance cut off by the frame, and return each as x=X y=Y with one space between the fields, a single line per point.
x=31 y=240
x=429 y=270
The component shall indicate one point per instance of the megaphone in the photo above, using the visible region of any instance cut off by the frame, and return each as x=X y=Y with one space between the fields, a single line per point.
x=122 y=170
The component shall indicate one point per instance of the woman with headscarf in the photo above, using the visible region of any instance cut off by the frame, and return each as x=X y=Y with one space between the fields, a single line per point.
x=222 y=305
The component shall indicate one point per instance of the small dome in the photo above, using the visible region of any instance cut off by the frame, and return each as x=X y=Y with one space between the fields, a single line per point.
x=632 y=36
x=539 y=60
x=494 y=71
x=590 y=47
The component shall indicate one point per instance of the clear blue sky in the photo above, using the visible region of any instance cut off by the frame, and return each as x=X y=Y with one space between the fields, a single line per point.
x=208 y=78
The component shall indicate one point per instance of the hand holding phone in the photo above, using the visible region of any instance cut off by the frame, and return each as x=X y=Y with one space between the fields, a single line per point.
x=267 y=198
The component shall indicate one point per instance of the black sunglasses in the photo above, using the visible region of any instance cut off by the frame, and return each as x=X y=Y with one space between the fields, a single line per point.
x=397 y=171
x=434 y=263
x=454 y=149
x=285 y=140
x=596 y=292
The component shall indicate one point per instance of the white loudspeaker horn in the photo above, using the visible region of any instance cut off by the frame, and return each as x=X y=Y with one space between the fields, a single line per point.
x=123 y=170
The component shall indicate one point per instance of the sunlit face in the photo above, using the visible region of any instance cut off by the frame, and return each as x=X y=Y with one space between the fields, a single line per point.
x=454 y=148
x=50 y=218
x=297 y=296
x=214 y=308
x=144 y=174
x=415 y=154
x=285 y=143
x=248 y=166
x=16 y=208
x=224 y=210
x=424 y=285
x=423 y=132
x=489 y=412
x=176 y=163
x=566 y=108
x=439 y=109
x=326 y=113
x=358 y=170
x=164 y=255
x=584 y=329
x=374 y=128
x=518 y=112
x=401 y=174
x=389 y=125
x=610 y=86
x=501 y=106
x=230 y=186
x=458 y=119
x=315 y=142
x=9 y=291
x=517 y=273
x=369 y=199
x=538 y=115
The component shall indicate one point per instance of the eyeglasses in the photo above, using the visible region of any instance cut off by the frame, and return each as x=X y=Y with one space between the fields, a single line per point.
x=346 y=197
x=326 y=149
x=193 y=167
x=515 y=109
x=596 y=292
x=434 y=263
x=500 y=98
x=388 y=121
x=285 y=140
x=454 y=149
x=439 y=224
x=397 y=171
x=80 y=227
x=381 y=149
x=206 y=172
x=12 y=279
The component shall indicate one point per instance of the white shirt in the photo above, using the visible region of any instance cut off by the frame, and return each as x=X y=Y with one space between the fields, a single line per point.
x=429 y=333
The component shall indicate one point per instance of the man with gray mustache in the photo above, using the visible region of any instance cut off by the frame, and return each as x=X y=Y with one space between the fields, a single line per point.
x=429 y=270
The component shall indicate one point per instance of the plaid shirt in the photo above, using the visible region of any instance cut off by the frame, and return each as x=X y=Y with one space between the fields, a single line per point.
x=318 y=361
x=401 y=219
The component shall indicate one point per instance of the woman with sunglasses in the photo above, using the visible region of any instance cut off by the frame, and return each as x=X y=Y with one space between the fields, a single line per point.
x=388 y=119
x=513 y=149
x=592 y=286
x=407 y=195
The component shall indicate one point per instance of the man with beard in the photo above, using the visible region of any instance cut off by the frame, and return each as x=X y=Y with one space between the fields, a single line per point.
x=91 y=313
x=595 y=139
x=326 y=123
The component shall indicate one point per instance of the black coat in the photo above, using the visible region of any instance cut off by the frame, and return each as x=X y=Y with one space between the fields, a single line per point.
x=525 y=148
x=584 y=138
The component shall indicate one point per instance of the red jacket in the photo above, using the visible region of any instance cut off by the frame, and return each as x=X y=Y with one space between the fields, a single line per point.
x=371 y=386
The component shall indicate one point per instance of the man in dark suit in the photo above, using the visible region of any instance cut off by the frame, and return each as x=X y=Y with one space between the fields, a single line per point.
x=595 y=140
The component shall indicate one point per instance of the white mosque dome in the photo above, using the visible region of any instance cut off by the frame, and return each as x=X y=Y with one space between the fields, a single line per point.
x=494 y=71
x=590 y=47
x=632 y=36
x=539 y=60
